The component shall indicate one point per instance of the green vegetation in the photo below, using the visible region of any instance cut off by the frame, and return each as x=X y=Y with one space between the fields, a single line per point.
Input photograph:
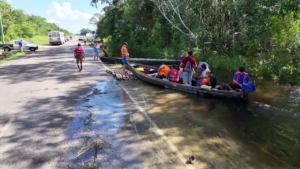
x=14 y=55
x=39 y=40
x=85 y=31
x=19 y=25
x=262 y=35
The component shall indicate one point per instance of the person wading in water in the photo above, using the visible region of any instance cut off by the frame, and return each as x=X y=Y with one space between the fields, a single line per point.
x=79 y=55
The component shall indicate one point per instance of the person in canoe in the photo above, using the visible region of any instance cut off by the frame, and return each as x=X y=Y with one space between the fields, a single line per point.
x=173 y=74
x=209 y=80
x=163 y=71
x=239 y=78
x=188 y=64
x=203 y=69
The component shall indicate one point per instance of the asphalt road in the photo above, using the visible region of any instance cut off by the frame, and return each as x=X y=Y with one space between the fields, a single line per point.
x=45 y=105
x=38 y=94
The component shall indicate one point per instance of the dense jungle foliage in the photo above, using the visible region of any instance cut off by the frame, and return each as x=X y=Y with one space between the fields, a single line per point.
x=17 y=24
x=262 y=35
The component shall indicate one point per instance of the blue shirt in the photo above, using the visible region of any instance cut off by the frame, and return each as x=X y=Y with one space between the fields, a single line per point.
x=20 y=43
x=241 y=80
x=96 y=49
x=124 y=50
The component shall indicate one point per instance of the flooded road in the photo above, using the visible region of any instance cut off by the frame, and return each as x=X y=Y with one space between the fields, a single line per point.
x=225 y=133
x=153 y=127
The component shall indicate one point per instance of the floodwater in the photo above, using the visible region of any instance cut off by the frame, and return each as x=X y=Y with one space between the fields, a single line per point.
x=161 y=128
x=227 y=133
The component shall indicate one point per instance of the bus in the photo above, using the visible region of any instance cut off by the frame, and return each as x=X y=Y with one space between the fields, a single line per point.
x=56 y=38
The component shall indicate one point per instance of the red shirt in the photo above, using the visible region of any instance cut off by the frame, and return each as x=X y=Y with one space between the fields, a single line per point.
x=186 y=59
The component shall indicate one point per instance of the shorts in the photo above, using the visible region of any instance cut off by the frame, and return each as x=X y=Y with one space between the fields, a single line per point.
x=96 y=54
x=124 y=60
x=235 y=86
x=78 y=57
x=187 y=77
x=160 y=77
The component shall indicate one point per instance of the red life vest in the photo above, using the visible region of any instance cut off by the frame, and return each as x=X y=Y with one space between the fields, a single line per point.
x=79 y=51
x=245 y=77
x=175 y=76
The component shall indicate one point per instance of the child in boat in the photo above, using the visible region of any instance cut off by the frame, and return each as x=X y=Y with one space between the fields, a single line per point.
x=173 y=74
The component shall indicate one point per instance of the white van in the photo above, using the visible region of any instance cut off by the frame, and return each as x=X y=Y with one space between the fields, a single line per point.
x=56 y=37
x=90 y=36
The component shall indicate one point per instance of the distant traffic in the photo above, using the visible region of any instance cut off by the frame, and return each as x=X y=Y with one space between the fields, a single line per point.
x=58 y=38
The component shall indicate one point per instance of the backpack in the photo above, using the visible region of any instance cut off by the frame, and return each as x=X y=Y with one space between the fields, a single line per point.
x=188 y=67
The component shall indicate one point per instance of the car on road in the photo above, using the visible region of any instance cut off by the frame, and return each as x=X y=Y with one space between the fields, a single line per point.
x=80 y=38
x=68 y=38
x=15 y=46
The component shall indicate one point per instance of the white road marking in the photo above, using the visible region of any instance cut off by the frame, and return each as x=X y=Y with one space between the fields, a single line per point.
x=5 y=128
x=155 y=127
x=50 y=70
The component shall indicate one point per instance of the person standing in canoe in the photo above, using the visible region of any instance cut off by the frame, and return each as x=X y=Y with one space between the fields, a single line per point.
x=125 y=55
x=188 y=63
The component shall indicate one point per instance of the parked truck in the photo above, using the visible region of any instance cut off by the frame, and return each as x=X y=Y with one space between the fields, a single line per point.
x=15 y=46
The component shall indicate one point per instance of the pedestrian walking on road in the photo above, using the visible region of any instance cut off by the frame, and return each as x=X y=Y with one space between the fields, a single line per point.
x=125 y=55
x=96 y=52
x=21 y=46
x=84 y=40
x=79 y=55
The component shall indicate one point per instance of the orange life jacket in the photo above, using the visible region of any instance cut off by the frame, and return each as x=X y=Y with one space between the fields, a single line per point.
x=122 y=51
x=175 y=76
x=164 y=71
x=238 y=77
x=79 y=51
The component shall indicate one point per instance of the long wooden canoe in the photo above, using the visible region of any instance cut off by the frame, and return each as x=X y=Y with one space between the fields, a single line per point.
x=145 y=61
x=180 y=87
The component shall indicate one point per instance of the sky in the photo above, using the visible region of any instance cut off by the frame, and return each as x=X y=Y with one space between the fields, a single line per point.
x=72 y=15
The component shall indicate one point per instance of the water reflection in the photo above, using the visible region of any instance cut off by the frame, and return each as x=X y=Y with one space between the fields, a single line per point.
x=224 y=133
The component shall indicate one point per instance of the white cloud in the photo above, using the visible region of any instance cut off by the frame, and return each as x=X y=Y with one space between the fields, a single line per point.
x=66 y=18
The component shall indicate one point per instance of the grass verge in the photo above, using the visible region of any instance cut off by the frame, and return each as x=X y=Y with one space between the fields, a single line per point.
x=14 y=55
x=39 y=40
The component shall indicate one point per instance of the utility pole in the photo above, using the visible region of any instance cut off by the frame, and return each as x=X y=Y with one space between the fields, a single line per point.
x=1 y=27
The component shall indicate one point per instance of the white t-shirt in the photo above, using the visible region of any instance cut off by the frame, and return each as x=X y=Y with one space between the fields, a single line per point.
x=204 y=72
x=200 y=64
